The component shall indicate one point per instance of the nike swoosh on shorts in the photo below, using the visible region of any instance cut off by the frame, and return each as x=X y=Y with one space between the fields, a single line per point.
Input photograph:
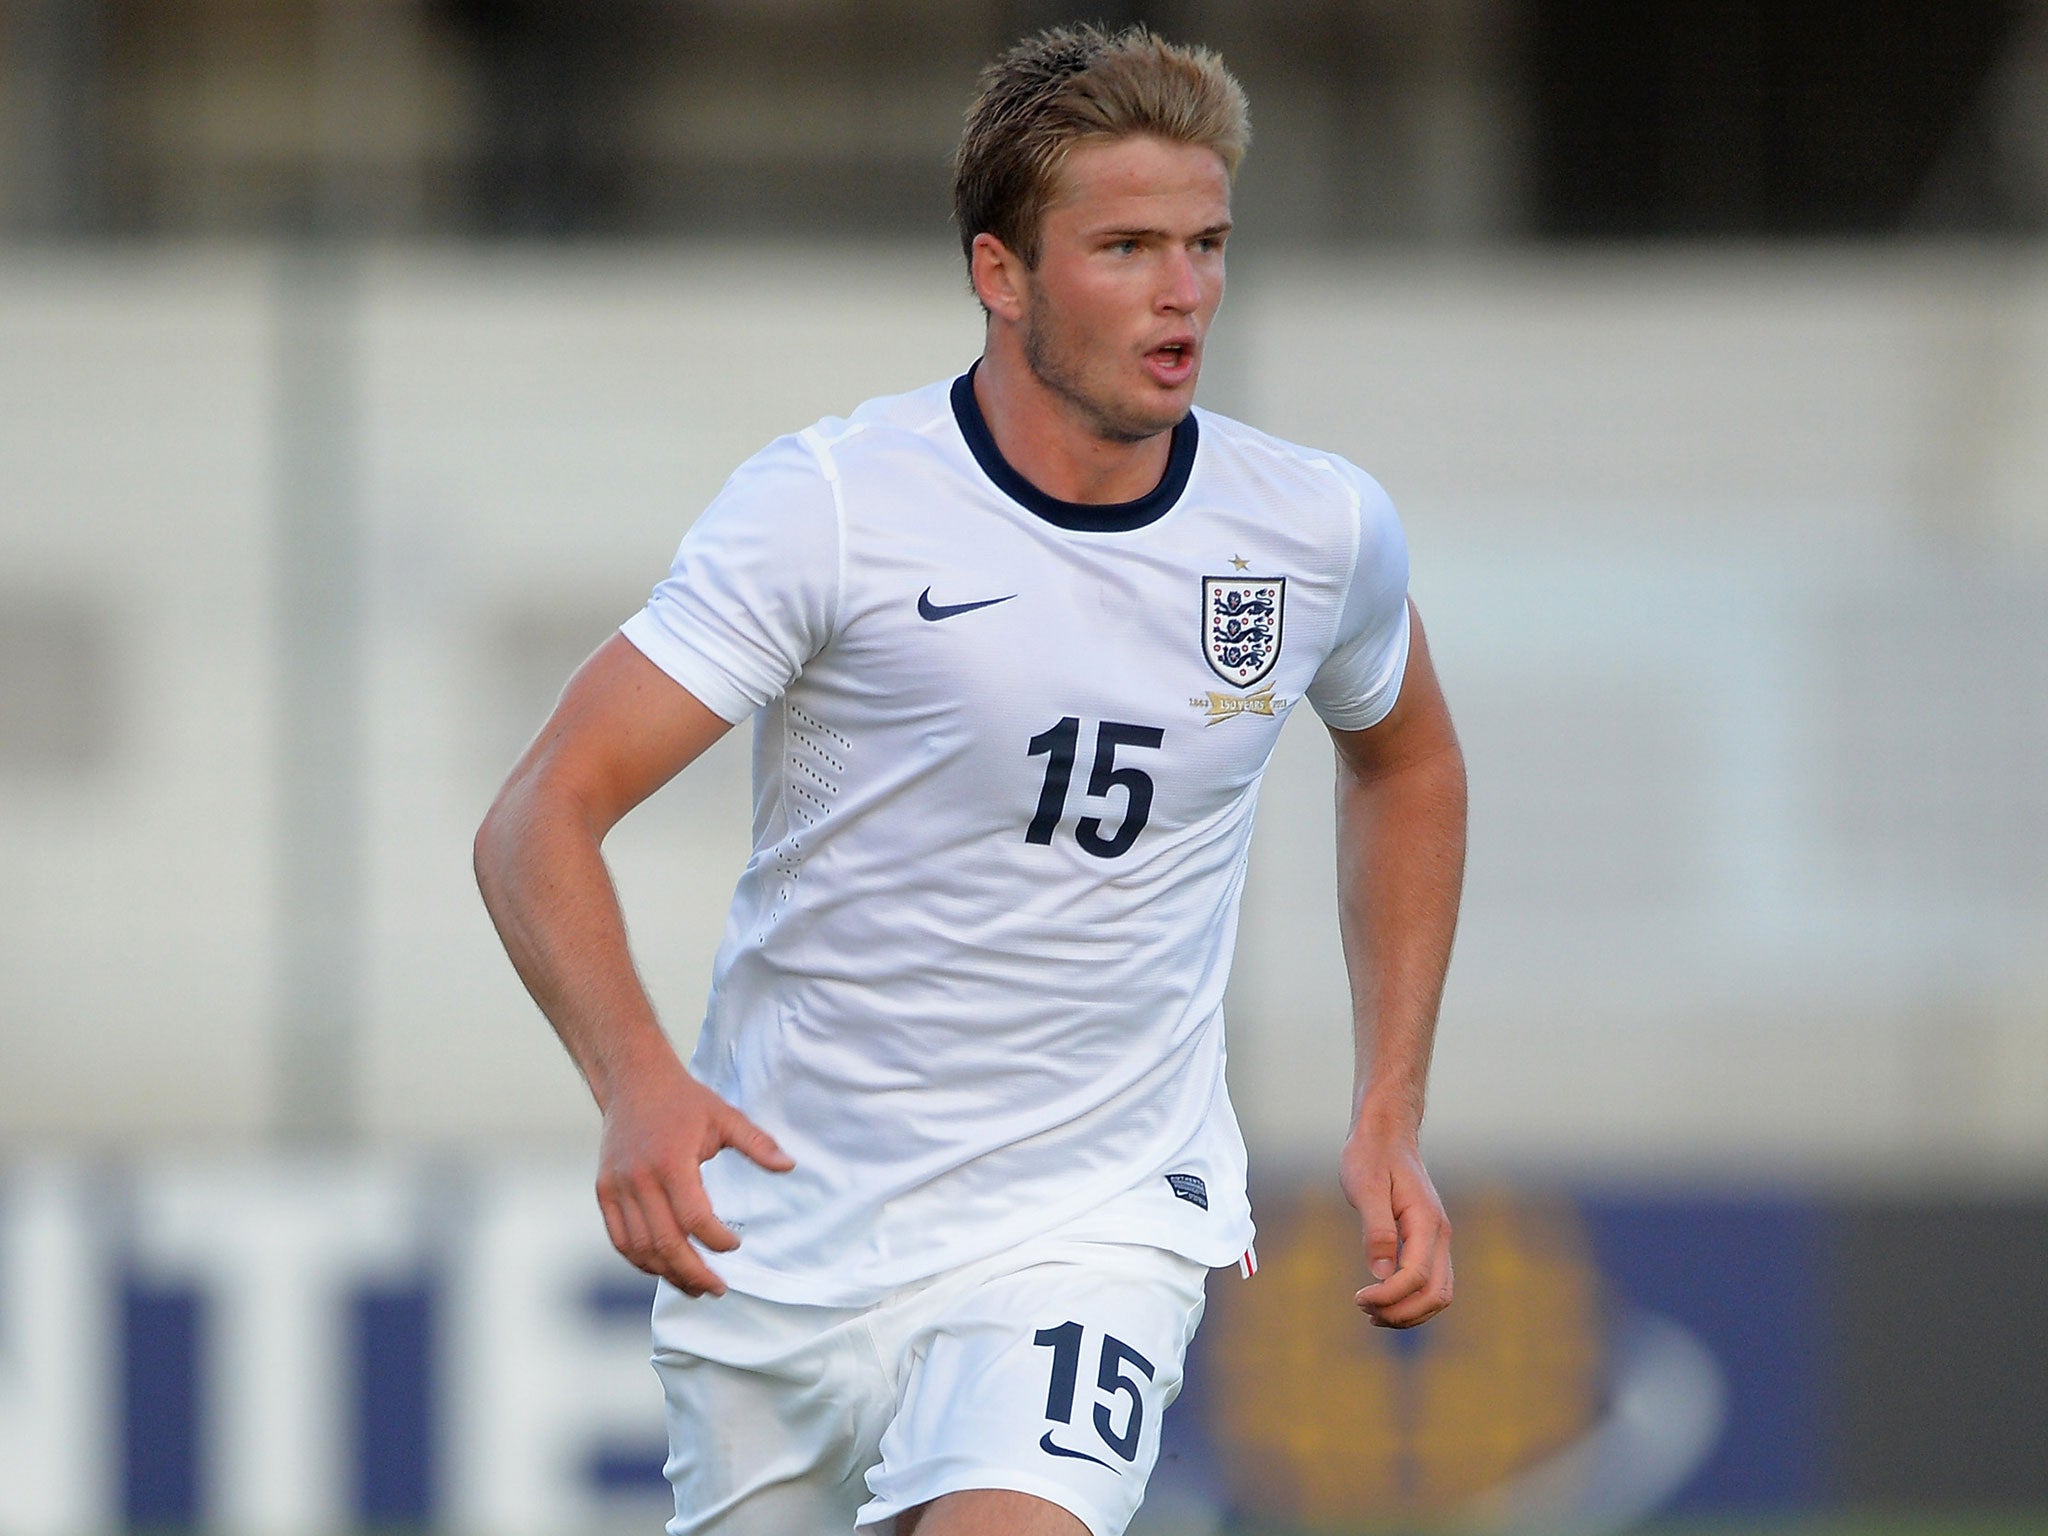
x=1045 y=1443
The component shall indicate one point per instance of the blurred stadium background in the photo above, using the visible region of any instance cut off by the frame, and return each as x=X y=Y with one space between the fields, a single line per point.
x=361 y=362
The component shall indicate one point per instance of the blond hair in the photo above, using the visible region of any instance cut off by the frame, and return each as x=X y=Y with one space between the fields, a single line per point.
x=1071 y=85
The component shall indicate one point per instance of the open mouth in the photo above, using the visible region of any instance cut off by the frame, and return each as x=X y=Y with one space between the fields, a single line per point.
x=1173 y=361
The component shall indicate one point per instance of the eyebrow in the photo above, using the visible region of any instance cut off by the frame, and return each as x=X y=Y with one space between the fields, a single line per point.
x=1139 y=231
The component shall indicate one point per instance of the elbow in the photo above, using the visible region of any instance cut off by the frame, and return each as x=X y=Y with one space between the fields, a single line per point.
x=1450 y=765
x=1436 y=758
x=495 y=848
x=1440 y=776
x=487 y=848
x=533 y=818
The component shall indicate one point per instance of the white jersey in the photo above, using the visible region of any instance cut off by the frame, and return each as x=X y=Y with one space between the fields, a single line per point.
x=1006 y=755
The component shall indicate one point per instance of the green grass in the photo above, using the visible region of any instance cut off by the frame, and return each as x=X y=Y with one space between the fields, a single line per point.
x=2014 y=1524
x=2021 y=1524
x=2035 y=1524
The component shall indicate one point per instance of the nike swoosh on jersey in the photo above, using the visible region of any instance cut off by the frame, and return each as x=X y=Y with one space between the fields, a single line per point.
x=927 y=609
x=1045 y=1444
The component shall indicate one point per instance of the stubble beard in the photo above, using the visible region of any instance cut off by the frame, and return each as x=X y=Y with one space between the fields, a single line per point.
x=1053 y=366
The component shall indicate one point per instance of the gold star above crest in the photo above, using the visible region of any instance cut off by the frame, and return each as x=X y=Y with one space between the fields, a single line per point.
x=1240 y=562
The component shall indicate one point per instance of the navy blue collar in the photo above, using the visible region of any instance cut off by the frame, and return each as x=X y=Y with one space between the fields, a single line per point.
x=1074 y=516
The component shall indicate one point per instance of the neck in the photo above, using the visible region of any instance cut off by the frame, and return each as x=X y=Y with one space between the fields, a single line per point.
x=1049 y=440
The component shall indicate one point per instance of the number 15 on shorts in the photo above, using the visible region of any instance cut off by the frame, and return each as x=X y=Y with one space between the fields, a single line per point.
x=1119 y=1416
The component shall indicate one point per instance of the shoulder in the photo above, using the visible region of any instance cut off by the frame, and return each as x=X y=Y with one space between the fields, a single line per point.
x=921 y=417
x=1247 y=450
x=798 y=481
x=1303 y=475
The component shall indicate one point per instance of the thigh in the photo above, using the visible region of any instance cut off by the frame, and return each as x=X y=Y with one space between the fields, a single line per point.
x=1049 y=1380
x=779 y=1443
x=989 y=1512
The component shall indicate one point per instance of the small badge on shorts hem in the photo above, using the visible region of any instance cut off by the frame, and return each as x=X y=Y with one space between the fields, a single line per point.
x=1189 y=1187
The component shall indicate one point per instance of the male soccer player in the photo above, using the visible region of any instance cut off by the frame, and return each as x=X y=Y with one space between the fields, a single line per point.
x=1016 y=647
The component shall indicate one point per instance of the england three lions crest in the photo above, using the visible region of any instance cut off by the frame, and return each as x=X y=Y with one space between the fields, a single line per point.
x=1241 y=625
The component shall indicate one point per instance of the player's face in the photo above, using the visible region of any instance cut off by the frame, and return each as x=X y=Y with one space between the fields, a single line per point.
x=1129 y=275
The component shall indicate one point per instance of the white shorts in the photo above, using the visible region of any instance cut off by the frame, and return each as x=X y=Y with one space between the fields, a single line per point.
x=1044 y=1369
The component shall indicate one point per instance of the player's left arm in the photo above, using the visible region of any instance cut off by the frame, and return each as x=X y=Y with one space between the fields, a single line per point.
x=1400 y=867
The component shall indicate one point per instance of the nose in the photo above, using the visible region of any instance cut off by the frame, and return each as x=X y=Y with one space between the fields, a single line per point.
x=1180 y=284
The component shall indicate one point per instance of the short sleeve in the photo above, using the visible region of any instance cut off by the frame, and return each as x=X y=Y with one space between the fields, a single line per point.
x=1360 y=679
x=754 y=590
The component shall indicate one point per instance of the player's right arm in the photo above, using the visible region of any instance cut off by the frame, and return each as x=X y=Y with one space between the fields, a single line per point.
x=623 y=729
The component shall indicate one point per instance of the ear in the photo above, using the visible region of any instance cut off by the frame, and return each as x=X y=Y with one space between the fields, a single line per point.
x=999 y=277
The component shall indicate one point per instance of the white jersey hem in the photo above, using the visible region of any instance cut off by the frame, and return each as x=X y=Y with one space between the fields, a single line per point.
x=1134 y=1216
